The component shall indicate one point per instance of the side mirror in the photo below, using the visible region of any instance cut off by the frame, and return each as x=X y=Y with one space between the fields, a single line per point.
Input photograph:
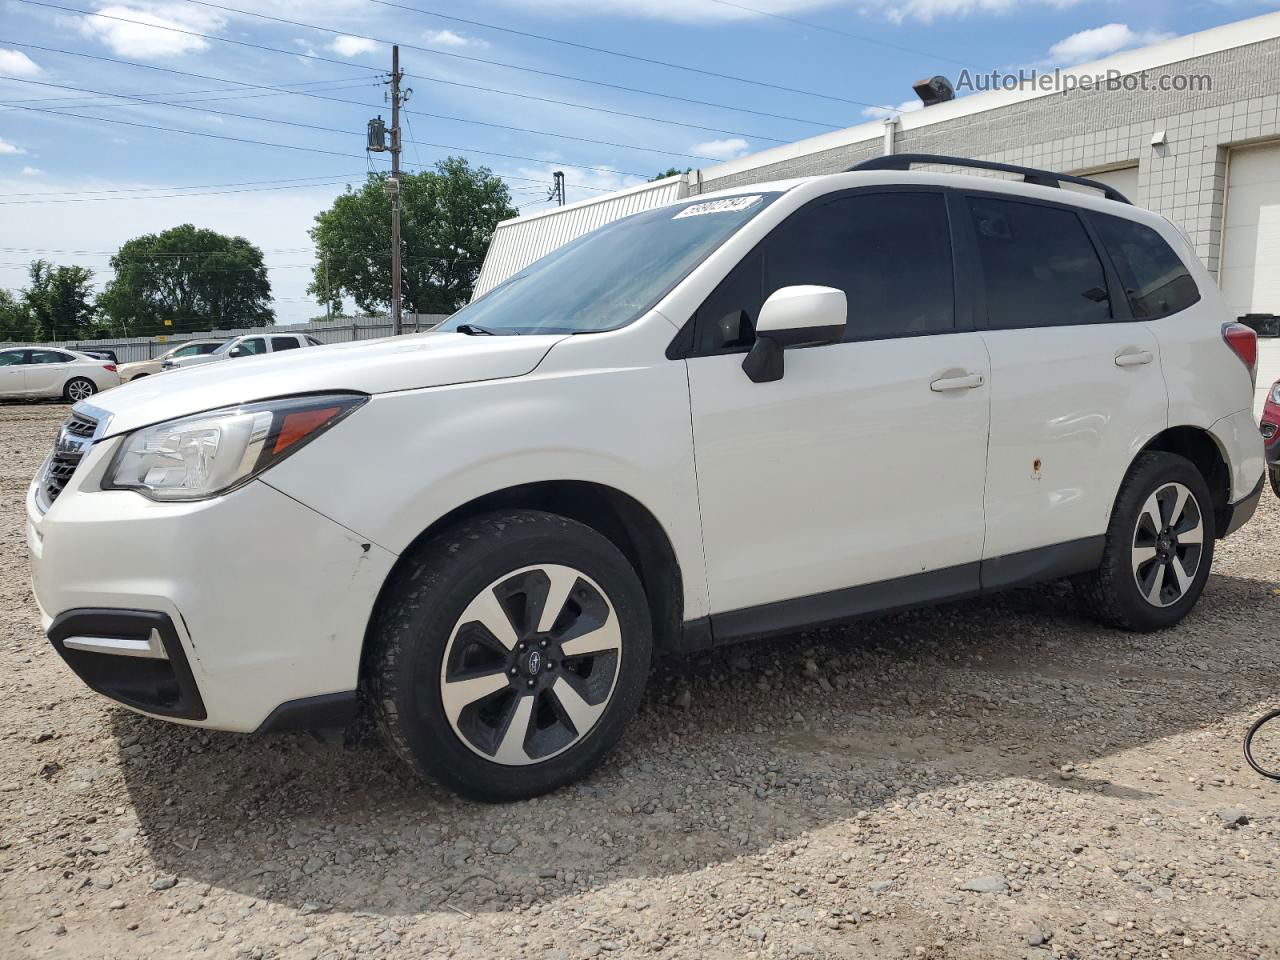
x=801 y=316
x=237 y=352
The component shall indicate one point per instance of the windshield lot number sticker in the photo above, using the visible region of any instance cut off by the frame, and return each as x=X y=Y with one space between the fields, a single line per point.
x=727 y=205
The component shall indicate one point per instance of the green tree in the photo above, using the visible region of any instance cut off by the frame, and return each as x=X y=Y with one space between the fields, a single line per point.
x=669 y=172
x=59 y=301
x=447 y=218
x=15 y=321
x=196 y=279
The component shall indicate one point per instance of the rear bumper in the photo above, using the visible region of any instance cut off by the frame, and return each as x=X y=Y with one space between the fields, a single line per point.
x=1239 y=513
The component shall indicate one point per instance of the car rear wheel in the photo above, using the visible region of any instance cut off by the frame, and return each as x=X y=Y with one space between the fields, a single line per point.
x=1275 y=480
x=509 y=654
x=1159 y=546
x=79 y=388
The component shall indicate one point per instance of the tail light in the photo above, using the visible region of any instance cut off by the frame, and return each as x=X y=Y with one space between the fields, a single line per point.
x=1243 y=342
x=109 y=367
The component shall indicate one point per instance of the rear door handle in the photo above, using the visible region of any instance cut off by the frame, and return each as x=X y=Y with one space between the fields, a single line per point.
x=1135 y=359
x=967 y=382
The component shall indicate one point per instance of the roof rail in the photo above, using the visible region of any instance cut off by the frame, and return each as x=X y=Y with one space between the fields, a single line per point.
x=1042 y=178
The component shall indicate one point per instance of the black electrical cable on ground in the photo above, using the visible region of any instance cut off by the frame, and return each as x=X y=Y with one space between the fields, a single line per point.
x=1248 y=745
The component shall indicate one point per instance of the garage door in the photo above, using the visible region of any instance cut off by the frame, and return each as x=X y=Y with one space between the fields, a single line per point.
x=1250 y=273
x=1125 y=180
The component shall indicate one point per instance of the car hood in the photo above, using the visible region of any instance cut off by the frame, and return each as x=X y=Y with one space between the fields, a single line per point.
x=368 y=366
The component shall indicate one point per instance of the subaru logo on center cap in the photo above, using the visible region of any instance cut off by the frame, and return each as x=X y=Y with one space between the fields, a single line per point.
x=534 y=663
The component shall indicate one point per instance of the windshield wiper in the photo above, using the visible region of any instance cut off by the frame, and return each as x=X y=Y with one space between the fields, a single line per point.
x=475 y=330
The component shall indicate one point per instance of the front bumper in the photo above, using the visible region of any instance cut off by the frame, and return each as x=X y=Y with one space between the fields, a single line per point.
x=265 y=600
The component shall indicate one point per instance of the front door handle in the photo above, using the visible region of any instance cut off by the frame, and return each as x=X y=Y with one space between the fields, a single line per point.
x=1135 y=358
x=967 y=382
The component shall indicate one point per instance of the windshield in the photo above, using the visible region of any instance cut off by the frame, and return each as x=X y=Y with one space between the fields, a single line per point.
x=609 y=277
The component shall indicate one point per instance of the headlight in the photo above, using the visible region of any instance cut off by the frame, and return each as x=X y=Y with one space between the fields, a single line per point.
x=1275 y=392
x=202 y=456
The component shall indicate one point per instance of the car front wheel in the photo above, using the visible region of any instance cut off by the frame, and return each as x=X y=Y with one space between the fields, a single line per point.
x=1159 y=546
x=509 y=654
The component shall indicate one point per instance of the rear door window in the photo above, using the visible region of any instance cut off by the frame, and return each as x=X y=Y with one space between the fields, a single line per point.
x=284 y=343
x=1040 y=268
x=1155 y=279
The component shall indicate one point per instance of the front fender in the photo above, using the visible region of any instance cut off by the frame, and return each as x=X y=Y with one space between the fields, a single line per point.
x=404 y=460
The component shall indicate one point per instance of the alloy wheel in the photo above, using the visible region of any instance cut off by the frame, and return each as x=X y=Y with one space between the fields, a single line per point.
x=78 y=390
x=531 y=664
x=1168 y=543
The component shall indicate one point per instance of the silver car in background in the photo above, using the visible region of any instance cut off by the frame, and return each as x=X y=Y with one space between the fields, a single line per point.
x=246 y=346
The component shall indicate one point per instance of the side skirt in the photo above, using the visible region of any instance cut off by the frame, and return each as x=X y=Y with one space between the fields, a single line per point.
x=889 y=596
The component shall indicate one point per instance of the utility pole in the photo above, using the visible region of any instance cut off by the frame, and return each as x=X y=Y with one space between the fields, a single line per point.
x=557 y=187
x=394 y=187
x=328 y=291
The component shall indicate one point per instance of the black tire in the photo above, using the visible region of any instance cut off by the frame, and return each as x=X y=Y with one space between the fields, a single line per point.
x=1274 y=473
x=78 y=383
x=424 y=603
x=1112 y=593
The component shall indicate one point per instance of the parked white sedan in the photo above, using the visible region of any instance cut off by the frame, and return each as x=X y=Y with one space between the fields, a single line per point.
x=45 y=372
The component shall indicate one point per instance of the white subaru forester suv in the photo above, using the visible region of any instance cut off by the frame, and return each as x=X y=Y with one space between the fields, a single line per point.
x=738 y=415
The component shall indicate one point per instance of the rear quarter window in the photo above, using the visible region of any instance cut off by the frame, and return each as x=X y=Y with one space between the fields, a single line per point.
x=1156 y=281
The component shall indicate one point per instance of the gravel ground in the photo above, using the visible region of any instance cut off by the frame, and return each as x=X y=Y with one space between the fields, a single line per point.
x=989 y=779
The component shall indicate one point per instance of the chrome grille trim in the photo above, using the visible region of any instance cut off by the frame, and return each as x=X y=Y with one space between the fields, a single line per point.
x=82 y=430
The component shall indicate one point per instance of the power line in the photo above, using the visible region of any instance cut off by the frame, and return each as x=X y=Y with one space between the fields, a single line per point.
x=432 y=50
x=194 y=186
x=842 y=33
x=145 y=98
x=296 y=147
x=596 y=109
x=174 y=196
x=193 y=94
x=295 y=123
x=566 y=43
x=429 y=79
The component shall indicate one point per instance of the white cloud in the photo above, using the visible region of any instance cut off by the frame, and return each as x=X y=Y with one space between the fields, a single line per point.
x=447 y=38
x=8 y=149
x=141 y=39
x=1100 y=42
x=683 y=11
x=352 y=46
x=721 y=149
x=31 y=172
x=906 y=106
x=679 y=11
x=15 y=63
